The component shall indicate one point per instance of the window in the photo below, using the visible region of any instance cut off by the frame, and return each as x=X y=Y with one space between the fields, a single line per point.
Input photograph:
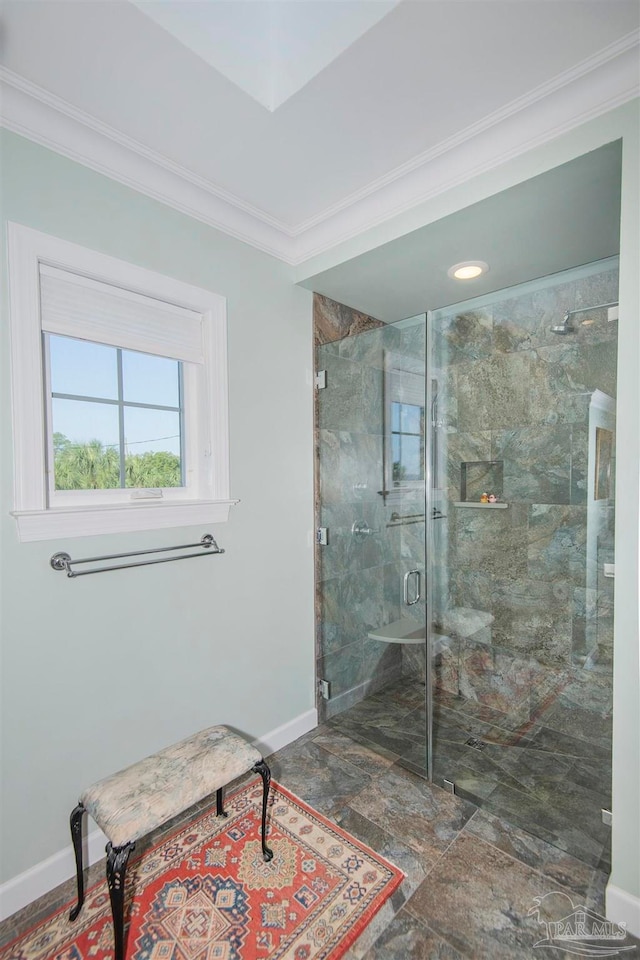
x=119 y=394
x=407 y=441
x=404 y=426
x=105 y=431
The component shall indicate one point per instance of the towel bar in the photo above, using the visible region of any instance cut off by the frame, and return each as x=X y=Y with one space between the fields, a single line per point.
x=62 y=561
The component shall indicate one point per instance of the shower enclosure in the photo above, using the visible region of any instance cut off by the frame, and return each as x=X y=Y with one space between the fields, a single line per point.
x=465 y=565
x=370 y=515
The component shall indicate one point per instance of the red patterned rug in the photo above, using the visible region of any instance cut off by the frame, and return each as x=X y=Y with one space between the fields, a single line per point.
x=205 y=893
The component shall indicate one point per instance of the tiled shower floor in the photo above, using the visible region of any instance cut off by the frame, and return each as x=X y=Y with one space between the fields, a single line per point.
x=550 y=783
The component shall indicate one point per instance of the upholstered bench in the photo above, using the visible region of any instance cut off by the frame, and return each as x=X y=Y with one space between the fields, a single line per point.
x=135 y=801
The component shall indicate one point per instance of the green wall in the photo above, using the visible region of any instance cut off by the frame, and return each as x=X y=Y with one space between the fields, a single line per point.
x=100 y=671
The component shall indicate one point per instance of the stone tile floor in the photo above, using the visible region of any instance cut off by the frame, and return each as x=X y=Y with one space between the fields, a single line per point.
x=471 y=877
x=546 y=782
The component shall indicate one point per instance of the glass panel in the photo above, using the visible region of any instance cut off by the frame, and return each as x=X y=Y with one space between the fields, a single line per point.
x=411 y=458
x=152 y=448
x=85 y=442
x=371 y=642
x=411 y=418
x=83 y=368
x=149 y=379
x=521 y=608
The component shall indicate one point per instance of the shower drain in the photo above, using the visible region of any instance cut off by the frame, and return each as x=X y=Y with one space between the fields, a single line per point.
x=475 y=743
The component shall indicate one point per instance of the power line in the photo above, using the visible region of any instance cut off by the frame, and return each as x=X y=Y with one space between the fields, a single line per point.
x=130 y=443
x=127 y=443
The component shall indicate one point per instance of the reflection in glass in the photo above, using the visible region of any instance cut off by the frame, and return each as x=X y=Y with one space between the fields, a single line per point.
x=407 y=441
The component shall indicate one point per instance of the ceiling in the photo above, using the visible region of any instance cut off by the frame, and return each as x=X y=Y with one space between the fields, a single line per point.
x=564 y=218
x=269 y=48
x=295 y=124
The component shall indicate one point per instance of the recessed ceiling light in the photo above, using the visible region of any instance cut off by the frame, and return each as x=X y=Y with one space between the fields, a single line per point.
x=468 y=269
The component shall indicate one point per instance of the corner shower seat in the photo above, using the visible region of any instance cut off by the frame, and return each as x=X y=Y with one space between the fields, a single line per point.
x=458 y=622
x=404 y=630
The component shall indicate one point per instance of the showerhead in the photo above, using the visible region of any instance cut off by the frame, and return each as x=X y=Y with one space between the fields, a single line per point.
x=563 y=328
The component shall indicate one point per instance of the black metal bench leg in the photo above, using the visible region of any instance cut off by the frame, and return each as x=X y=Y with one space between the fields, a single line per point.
x=265 y=773
x=116 y=869
x=75 y=821
x=219 y=806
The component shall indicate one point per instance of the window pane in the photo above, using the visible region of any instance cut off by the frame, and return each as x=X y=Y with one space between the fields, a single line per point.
x=411 y=459
x=85 y=443
x=148 y=379
x=152 y=445
x=410 y=418
x=395 y=458
x=395 y=416
x=83 y=368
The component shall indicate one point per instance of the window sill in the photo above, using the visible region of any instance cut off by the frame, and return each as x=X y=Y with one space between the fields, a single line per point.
x=118 y=518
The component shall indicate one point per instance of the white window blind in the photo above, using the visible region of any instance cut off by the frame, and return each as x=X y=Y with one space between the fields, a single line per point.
x=132 y=308
x=77 y=306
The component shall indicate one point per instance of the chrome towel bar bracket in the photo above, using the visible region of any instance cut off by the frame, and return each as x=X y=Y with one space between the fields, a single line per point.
x=62 y=561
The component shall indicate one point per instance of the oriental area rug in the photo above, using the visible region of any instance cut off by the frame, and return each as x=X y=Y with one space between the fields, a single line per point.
x=205 y=893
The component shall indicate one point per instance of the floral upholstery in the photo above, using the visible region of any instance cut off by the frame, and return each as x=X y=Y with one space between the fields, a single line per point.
x=134 y=801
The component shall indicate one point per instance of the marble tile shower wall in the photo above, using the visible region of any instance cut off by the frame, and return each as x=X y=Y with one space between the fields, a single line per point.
x=511 y=390
x=358 y=580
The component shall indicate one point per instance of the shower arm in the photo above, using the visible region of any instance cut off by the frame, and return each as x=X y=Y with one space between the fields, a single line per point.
x=598 y=306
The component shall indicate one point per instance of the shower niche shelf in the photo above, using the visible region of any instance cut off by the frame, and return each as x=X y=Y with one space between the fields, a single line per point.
x=501 y=505
x=480 y=477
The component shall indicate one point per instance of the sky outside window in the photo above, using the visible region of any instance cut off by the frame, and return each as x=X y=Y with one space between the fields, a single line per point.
x=88 y=376
x=407 y=440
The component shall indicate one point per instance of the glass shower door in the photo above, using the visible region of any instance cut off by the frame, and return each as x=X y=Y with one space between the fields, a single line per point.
x=521 y=553
x=370 y=554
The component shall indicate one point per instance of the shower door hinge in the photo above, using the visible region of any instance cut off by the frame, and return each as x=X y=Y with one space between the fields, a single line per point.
x=324 y=687
x=321 y=380
x=607 y=817
x=322 y=536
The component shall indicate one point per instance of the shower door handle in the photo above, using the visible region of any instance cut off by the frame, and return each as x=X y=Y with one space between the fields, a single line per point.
x=411 y=573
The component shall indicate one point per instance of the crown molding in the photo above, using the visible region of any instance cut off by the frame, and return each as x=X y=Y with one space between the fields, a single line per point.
x=585 y=91
x=611 y=84
x=520 y=104
x=38 y=115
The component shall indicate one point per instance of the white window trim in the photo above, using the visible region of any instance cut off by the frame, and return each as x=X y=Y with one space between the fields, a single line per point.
x=36 y=519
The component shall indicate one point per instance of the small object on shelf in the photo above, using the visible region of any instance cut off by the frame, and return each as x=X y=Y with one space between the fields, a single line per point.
x=493 y=498
x=480 y=478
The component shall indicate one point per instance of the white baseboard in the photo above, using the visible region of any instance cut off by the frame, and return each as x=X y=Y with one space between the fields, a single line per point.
x=623 y=907
x=287 y=733
x=50 y=873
